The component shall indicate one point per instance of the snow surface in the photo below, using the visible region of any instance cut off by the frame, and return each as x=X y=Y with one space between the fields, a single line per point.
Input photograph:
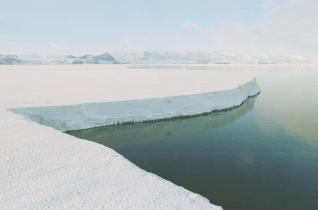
x=42 y=168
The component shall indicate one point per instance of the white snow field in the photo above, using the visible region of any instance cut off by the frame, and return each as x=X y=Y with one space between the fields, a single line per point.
x=43 y=168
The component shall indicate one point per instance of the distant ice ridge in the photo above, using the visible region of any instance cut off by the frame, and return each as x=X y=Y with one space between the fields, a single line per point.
x=82 y=116
x=202 y=57
x=155 y=57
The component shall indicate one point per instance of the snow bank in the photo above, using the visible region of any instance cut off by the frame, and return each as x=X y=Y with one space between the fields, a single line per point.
x=42 y=168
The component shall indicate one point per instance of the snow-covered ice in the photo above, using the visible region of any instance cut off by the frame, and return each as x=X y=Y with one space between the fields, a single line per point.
x=43 y=168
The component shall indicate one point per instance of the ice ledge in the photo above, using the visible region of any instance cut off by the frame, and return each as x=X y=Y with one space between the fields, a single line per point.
x=41 y=168
x=88 y=115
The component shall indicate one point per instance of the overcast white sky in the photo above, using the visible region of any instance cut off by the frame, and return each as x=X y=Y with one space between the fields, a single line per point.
x=82 y=26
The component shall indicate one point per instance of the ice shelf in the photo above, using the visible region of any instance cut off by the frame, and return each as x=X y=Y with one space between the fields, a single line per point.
x=43 y=168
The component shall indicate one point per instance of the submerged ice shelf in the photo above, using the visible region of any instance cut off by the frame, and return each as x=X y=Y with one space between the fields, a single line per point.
x=49 y=170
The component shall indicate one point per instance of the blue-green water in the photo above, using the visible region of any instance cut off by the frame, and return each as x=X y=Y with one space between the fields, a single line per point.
x=261 y=155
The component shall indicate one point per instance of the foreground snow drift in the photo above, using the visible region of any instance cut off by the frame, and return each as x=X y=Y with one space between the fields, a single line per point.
x=42 y=168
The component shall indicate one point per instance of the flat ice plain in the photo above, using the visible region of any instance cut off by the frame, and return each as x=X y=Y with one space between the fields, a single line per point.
x=43 y=168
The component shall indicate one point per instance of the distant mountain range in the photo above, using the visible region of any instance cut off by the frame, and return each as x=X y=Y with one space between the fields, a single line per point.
x=151 y=57
x=104 y=58
x=9 y=59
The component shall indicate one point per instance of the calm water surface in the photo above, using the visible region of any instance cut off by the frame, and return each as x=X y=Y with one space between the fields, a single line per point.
x=261 y=155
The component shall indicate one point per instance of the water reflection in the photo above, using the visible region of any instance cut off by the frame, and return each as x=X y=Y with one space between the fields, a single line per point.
x=116 y=136
x=289 y=101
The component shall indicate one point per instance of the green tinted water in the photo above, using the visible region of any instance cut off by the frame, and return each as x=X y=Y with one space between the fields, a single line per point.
x=261 y=155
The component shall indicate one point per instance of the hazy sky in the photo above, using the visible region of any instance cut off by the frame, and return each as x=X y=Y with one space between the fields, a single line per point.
x=94 y=26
